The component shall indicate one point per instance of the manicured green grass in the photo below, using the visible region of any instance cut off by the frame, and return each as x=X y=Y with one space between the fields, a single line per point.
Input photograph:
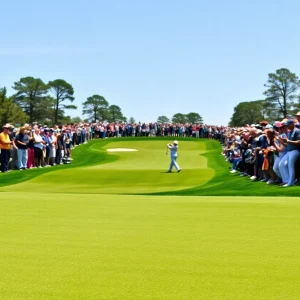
x=143 y=171
x=205 y=172
x=78 y=246
x=71 y=232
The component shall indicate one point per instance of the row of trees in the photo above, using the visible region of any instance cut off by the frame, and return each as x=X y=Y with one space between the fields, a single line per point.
x=192 y=117
x=37 y=101
x=97 y=108
x=281 y=100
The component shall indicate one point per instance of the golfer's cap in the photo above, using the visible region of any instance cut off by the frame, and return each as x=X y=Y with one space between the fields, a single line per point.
x=176 y=142
x=290 y=121
x=298 y=113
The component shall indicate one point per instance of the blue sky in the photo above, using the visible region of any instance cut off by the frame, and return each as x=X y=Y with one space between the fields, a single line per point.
x=152 y=57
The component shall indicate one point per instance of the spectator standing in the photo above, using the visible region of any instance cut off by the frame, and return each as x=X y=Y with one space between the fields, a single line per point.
x=83 y=135
x=5 y=144
x=13 y=160
x=53 y=146
x=30 y=150
x=280 y=148
x=59 y=146
x=68 y=141
x=287 y=165
x=22 y=141
x=38 y=144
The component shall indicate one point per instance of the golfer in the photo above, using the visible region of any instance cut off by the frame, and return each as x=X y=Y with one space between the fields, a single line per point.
x=173 y=153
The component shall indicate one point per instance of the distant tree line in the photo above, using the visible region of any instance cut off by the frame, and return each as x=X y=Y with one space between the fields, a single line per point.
x=37 y=101
x=192 y=117
x=282 y=99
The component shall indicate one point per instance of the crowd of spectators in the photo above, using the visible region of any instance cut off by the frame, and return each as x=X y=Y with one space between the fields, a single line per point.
x=37 y=146
x=266 y=152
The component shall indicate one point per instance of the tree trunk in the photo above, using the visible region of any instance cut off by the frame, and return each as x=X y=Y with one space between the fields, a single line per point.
x=56 y=111
x=284 y=108
x=95 y=114
x=30 y=113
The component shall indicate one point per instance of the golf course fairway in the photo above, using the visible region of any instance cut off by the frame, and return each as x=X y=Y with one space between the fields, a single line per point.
x=116 y=226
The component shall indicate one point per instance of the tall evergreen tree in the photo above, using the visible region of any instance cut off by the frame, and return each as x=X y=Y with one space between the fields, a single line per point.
x=281 y=90
x=62 y=92
x=31 y=93
x=115 y=114
x=10 y=112
x=163 y=119
x=179 y=118
x=96 y=108
x=194 y=118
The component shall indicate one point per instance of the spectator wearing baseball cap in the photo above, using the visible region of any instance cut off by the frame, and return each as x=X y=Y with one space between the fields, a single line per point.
x=287 y=164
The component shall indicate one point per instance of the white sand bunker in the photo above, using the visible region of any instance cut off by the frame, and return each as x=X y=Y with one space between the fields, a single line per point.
x=121 y=150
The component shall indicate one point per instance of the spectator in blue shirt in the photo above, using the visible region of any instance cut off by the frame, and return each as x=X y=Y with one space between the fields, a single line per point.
x=287 y=164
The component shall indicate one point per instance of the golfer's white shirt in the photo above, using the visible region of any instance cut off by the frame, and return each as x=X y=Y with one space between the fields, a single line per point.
x=173 y=151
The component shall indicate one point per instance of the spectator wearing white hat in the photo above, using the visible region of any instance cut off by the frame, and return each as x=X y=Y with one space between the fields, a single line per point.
x=297 y=115
x=173 y=154
x=5 y=144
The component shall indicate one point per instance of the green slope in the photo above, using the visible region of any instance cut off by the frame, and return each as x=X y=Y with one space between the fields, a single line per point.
x=143 y=171
x=205 y=172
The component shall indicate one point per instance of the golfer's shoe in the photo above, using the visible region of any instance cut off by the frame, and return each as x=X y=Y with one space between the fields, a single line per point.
x=179 y=170
x=169 y=171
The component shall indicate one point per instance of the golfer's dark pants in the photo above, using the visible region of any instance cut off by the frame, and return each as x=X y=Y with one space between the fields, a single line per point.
x=4 y=158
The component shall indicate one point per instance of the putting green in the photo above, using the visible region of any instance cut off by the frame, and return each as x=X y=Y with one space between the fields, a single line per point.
x=74 y=246
x=143 y=171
